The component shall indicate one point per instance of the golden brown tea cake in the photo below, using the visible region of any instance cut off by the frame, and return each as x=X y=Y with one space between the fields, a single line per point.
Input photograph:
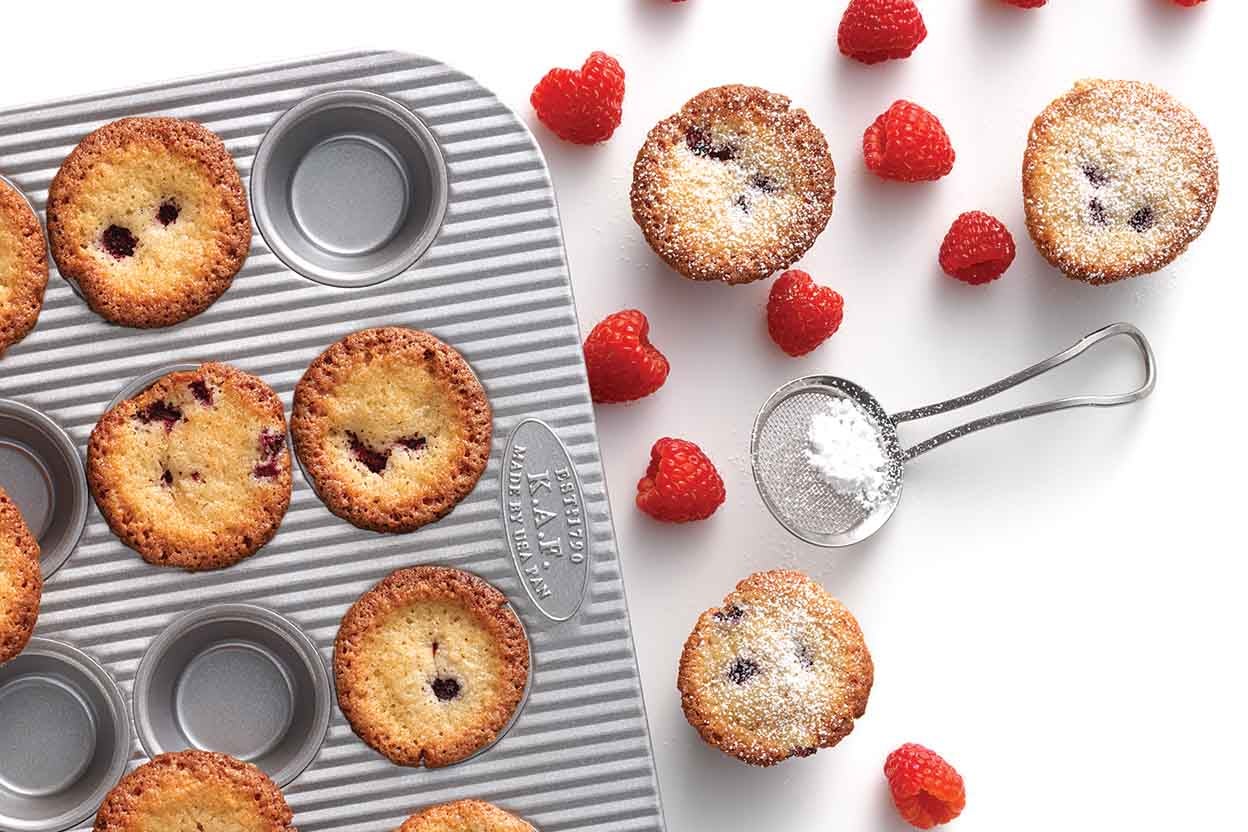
x=1118 y=179
x=194 y=471
x=148 y=218
x=21 y=582
x=464 y=816
x=780 y=670
x=430 y=665
x=734 y=187
x=392 y=427
x=23 y=267
x=195 y=791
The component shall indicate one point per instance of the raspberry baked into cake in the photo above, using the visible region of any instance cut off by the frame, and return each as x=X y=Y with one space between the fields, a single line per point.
x=734 y=187
x=195 y=791
x=148 y=218
x=1118 y=179
x=430 y=665
x=21 y=581
x=392 y=427
x=23 y=267
x=194 y=471
x=780 y=670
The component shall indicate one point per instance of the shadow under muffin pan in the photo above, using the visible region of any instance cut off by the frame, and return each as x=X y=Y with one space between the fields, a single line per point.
x=64 y=737
x=349 y=188
x=42 y=472
x=238 y=679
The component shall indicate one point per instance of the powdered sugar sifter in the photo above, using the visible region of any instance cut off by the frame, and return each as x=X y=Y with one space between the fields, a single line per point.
x=819 y=513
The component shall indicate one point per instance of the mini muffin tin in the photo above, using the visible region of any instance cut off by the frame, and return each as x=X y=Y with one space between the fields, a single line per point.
x=388 y=189
x=64 y=737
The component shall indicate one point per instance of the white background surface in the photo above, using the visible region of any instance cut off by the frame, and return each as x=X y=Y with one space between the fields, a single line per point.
x=1057 y=605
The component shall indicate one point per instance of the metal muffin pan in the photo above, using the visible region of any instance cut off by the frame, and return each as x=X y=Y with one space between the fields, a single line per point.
x=494 y=284
x=42 y=472
x=64 y=737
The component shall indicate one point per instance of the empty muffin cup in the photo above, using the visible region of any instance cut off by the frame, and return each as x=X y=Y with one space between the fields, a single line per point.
x=237 y=679
x=42 y=472
x=349 y=188
x=64 y=737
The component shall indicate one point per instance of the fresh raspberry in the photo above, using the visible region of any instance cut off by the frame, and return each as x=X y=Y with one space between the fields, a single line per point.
x=622 y=363
x=876 y=30
x=907 y=143
x=582 y=105
x=1189 y=3
x=801 y=314
x=977 y=249
x=926 y=790
x=681 y=484
x=1027 y=4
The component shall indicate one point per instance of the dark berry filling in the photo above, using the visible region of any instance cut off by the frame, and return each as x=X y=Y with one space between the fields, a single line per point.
x=701 y=144
x=201 y=391
x=414 y=443
x=742 y=670
x=374 y=461
x=445 y=689
x=167 y=478
x=805 y=657
x=198 y=477
x=743 y=203
x=266 y=470
x=1143 y=219
x=1097 y=177
x=270 y=443
x=1096 y=210
x=763 y=182
x=435 y=648
x=730 y=614
x=160 y=411
x=119 y=242
x=167 y=213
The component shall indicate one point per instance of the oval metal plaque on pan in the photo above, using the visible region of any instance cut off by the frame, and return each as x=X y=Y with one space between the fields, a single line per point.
x=544 y=517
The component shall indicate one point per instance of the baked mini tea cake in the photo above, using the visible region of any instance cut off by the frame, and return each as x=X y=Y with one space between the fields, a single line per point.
x=23 y=267
x=430 y=665
x=1118 y=179
x=734 y=187
x=148 y=217
x=21 y=581
x=779 y=670
x=195 y=791
x=194 y=471
x=392 y=427
x=464 y=816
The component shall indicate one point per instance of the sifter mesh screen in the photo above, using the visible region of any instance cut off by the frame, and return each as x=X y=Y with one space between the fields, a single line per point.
x=802 y=501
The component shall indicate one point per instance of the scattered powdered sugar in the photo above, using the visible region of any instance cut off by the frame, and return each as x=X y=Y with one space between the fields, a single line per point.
x=772 y=685
x=779 y=670
x=845 y=452
x=735 y=186
x=1118 y=178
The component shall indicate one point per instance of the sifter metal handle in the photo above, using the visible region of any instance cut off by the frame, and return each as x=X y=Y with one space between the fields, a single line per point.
x=1087 y=342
